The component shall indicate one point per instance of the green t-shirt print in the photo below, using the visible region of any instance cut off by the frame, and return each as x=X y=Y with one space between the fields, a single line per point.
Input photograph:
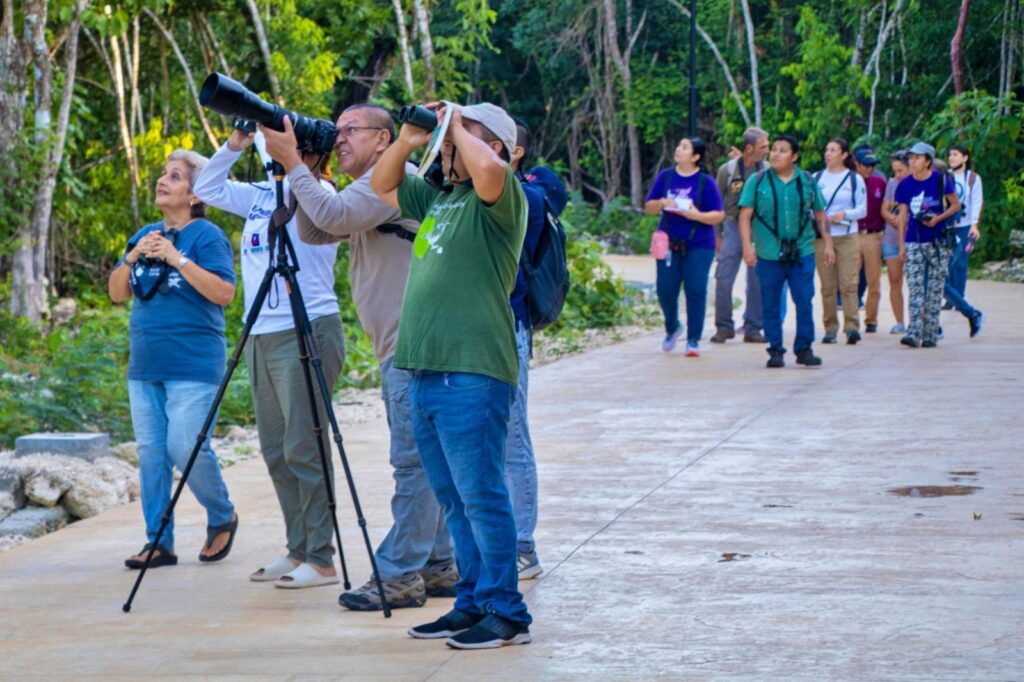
x=455 y=314
x=767 y=244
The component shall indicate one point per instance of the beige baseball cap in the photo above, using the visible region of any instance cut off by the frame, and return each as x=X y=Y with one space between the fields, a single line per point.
x=495 y=119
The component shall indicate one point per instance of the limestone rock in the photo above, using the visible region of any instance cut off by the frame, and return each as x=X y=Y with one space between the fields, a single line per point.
x=34 y=521
x=91 y=494
x=236 y=432
x=120 y=475
x=127 y=452
x=12 y=490
x=64 y=310
x=45 y=488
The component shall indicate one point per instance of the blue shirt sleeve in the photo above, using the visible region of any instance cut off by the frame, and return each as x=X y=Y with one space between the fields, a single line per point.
x=213 y=253
x=658 y=188
x=711 y=200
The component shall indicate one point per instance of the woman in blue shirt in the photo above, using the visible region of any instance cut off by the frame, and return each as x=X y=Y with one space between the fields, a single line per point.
x=690 y=205
x=181 y=275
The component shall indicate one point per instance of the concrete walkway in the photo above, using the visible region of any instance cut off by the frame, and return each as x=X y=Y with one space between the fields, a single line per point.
x=700 y=519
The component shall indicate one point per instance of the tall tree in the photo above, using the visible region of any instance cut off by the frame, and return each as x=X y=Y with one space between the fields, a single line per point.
x=954 y=48
x=621 y=59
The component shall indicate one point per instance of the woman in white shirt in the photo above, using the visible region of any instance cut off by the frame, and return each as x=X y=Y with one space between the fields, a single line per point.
x=969 y=191
x=847 y=202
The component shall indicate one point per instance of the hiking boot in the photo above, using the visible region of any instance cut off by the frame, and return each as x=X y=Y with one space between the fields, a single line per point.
x=898 y=328
x=805 y=356
x=448 y=625
x=722 y=335
x=490 y=633
x=909 y=340
x=775 y=358
x=976 y=321
x=830 y=337
x=754 y=337
x=669 y=344
x=870 y=328
x=529 y=565
x=852 y=337
x=401 y=594
x=692 y=349
x=439 y=578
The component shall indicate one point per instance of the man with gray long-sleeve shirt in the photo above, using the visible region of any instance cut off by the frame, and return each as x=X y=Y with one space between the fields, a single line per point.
x=415 y=559
x=731 y=177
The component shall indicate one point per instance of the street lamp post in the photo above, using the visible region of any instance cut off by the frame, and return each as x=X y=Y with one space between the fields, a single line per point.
x=693 y=68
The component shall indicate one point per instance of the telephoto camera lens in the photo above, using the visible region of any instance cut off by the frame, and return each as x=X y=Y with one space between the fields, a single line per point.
x=421 y=117
x=230 y=98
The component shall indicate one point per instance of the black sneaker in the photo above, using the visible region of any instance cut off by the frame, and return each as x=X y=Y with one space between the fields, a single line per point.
x=947 y=306
x=805 y=356
x=830 y=337
x=852 y=337
x=909 y=340
x=976 y=321
x=870 y=328
x=928 y=344
x=448 y=625
x=775 y=358
x=490 y=633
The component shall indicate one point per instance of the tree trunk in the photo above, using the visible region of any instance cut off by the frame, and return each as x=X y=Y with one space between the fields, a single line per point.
x=12 y=76
x=426 y=48
x=212 y=37
x=126 y=136
x=755 y=87
x=403 y=42
x=261 y=38
x=189 y=81
x=954 y=48
x=621 y=61
x=42 y=207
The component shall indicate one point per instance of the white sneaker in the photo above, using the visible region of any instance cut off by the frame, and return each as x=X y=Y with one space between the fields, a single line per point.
x=898 y=329
x=529 y=565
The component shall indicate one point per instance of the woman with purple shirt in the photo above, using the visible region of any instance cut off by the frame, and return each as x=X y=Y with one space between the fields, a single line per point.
x=923 y=219
x=690 y=205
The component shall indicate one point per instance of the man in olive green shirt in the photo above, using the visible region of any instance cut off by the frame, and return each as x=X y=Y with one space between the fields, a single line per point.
x=456 y=335
x=778 y=238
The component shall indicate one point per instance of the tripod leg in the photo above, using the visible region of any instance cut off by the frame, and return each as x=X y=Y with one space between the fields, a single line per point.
x=309 y=343
x=318 y=428
x=201 y=438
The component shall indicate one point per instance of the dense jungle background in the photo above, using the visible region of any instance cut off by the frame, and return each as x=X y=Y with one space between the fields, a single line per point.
x=94 y=96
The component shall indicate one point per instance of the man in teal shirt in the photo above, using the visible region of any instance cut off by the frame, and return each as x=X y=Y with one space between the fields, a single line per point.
x=778 y=238
x=457 y=335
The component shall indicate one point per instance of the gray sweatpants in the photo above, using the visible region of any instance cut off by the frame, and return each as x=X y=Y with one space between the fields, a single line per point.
x=730 y=257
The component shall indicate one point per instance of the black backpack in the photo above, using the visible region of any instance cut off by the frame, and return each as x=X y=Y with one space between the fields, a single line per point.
x=547 y=273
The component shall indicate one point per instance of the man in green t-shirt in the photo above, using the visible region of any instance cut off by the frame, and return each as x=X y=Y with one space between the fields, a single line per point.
x=778 y=238
x=456 y=335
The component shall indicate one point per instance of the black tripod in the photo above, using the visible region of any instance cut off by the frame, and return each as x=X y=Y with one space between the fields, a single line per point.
x=286 y=266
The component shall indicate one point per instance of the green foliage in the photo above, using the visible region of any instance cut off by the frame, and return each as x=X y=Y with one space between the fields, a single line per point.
x=829 y=90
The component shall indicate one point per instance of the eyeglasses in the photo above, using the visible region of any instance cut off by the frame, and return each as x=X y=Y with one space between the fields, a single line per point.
x=349 y=131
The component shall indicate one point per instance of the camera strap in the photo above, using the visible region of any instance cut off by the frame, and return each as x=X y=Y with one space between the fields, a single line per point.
x=145 y=284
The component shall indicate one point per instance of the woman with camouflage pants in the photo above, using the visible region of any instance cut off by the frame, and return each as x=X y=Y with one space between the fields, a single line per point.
x=922 y=242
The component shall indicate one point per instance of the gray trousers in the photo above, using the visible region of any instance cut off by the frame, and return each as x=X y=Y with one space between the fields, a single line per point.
x=730 y=257
x=419 y=534
x=285 y=425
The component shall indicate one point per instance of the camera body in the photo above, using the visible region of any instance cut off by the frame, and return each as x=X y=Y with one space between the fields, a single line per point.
x=789 y=252
x=922 y=216
x=146 y=261
x=230 y=98
x=421 y=117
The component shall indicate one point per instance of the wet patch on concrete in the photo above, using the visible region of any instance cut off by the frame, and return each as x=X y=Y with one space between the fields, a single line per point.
x=733 y=556
x=633 y=551
x=963 y=473
x=1016 y=517
x=777 y=506
x=934 y=490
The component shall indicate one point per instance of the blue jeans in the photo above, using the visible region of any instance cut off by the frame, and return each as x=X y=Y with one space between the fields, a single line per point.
x=520 y=465
x=958 y=263
x=419 y=534
x=460 y=421
x=167 y=417
x=691 y=272
x=800 y=277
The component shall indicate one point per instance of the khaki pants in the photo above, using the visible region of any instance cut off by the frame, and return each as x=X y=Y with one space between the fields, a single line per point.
x=285 y=425
x=871 y=256
x=844 y=276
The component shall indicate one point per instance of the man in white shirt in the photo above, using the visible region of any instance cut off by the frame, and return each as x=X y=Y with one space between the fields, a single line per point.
x=276 y=379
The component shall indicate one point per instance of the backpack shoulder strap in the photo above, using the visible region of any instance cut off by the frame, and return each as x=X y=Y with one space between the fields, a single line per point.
x=853 y=188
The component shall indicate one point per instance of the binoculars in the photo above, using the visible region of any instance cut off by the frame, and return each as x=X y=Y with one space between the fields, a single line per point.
x=421 y=117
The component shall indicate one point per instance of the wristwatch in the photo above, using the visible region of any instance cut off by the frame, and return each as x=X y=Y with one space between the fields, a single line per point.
x=182 y=261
